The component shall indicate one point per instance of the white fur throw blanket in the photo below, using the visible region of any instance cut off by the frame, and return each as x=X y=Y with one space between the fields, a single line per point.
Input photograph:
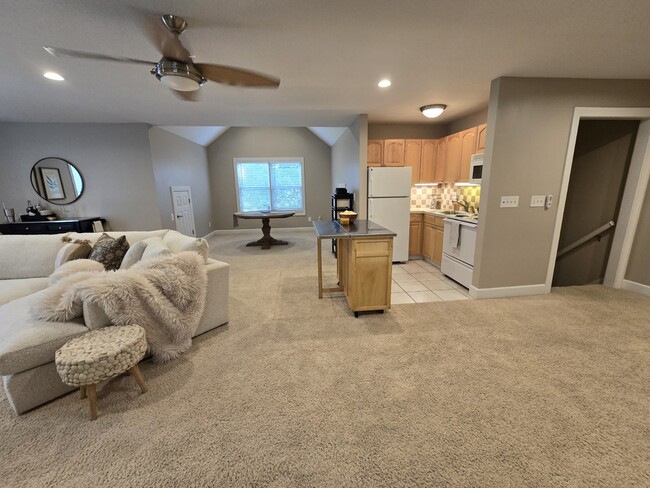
x=165 y=295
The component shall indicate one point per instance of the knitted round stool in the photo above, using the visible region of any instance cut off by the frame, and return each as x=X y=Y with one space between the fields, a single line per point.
x=101 y=354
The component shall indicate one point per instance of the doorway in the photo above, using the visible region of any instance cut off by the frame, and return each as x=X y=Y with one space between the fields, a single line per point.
x=182 y=209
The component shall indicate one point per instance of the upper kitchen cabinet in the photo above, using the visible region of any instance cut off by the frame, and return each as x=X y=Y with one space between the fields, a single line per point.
x=467 y=148
x=393 y=152
x=441 y=163
x=413 y=158
x=481 y=134
x=452 y=159
x=429 y=161
x=375 y=152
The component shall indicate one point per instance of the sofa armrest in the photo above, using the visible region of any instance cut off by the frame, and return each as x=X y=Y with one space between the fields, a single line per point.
x=215 y=312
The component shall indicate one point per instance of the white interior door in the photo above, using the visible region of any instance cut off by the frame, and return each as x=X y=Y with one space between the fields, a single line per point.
x=182 y=209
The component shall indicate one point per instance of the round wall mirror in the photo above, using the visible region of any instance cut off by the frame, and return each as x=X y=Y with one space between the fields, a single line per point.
x=56 y=180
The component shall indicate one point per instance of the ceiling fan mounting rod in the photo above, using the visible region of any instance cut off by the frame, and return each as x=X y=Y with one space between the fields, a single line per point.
x=175 y=24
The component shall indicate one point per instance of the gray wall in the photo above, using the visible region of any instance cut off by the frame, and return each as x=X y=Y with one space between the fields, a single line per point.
x=114 y=160
x=346 y=162
x=244 y=142
x=530 y=121
x=406 y=131
x=471 y=120
x=179 y=162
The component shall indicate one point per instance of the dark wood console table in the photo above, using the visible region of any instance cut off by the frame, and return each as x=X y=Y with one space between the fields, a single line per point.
x=50 y=226
x=266 y=241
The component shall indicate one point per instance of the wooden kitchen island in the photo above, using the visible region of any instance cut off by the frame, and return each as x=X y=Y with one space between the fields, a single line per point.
x=364 y=263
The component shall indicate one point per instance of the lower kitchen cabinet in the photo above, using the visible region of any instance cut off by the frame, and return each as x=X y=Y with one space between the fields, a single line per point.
x=432 y=238
x=415 y=235
x=365 y=272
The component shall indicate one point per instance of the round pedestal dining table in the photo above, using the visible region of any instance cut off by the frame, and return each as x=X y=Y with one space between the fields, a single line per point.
x=266 y=241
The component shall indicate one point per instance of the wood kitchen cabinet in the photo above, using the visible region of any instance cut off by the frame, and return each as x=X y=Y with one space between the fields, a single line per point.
x=460 y=147
x=432 y=238
x=441 y=160
x=415 y=235
x=413 y=158
x=467 y=148
x=375 y=152
x=365 y=272
x=452 y=158
x=429 y=161
x=393 y=152
x=481 y=135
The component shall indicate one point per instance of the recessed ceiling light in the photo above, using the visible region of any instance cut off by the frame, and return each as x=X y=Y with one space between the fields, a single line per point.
x=432 y=111
x=51 y=75
x=384 y=83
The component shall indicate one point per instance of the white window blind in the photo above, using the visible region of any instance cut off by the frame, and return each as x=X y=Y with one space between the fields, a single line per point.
x=270 y=184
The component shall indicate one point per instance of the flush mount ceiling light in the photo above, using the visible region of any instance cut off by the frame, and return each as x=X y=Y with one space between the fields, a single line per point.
x=432 y=111
x=384 y=83
x=51 y=75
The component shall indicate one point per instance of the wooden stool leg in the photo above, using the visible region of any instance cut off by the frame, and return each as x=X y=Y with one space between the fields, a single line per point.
x=82 y=391
x=135 y=372
x=92 y=399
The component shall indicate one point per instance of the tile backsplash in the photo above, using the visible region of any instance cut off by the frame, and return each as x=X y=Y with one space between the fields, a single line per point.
x=422 y=196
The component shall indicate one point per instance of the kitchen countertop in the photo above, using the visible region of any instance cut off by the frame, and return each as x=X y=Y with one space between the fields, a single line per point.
x=332 y=229
x=462 y=216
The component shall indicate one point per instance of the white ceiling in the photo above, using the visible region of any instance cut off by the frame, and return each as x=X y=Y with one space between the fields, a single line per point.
x=203 y=135
x=329 y=54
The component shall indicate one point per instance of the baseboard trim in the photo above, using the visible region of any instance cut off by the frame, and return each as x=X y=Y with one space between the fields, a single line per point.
x=253 y=229
x=507 y=291
x=639 y=288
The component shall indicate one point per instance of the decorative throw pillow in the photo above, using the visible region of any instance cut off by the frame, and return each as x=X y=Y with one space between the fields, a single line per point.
x=109 y=251
x=178 y=242
x=133 y=255
x=155 y=247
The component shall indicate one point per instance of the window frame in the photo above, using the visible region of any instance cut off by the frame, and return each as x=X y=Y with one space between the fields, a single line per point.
x=269 y=161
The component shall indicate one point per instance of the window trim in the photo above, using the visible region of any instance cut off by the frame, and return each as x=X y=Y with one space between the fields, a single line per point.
x=268 y=160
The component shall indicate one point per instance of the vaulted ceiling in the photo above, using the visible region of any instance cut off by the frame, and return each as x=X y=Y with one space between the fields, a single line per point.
x=329 y=55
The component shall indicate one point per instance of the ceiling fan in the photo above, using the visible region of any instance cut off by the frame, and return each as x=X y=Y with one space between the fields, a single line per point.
x=176 y=68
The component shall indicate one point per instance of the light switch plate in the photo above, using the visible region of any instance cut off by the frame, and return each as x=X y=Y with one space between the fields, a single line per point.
x=512 y=201
x=537 y=200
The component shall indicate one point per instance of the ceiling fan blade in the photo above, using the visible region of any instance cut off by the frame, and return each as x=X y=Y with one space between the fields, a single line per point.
x=229 y=75
x=69 y=53
x=167 y=43
x=187 y=96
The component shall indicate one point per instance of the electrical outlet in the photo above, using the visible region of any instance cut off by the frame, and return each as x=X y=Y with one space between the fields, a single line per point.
x=210 y=225
x=537 y=200
x=308 y=219
x=512 y=201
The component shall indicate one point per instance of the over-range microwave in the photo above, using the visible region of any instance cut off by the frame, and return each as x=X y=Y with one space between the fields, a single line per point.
x=476 y=168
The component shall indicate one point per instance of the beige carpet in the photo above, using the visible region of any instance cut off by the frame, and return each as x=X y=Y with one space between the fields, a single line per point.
x=538 y=391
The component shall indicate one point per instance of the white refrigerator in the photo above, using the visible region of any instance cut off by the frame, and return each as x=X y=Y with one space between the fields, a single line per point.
x=389 y=205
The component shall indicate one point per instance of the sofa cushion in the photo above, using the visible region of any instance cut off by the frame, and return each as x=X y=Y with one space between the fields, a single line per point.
x=109 y=251
x=178 y=242
x=13 y=289
x=28 y=256
x=26 y=342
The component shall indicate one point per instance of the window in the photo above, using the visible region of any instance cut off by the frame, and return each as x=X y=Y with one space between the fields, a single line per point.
x=270 y=184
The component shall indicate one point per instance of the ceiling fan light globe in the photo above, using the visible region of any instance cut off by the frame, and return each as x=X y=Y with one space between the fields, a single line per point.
x=178 y=76
x=180 y=83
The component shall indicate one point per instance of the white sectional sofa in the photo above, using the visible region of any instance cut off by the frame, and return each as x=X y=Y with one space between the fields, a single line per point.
x=27 y=345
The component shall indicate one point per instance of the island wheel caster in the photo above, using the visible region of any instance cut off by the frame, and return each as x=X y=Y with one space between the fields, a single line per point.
x=356 y=315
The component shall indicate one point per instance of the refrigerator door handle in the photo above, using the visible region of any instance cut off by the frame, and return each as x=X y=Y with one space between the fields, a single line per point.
x=369 y=208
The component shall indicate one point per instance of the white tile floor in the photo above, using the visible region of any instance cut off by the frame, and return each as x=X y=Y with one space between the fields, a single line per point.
x=418 y=281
